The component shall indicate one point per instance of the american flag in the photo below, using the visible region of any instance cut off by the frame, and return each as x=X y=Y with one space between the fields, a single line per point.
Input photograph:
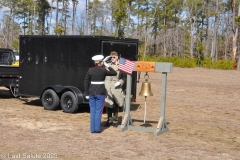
x=125 y=65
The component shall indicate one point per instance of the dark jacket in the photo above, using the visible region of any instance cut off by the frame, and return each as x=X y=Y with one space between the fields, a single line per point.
x=97 y=74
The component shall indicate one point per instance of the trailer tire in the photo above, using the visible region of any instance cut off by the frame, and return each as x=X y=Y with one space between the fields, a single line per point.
x=50 y=100
x=69 y=102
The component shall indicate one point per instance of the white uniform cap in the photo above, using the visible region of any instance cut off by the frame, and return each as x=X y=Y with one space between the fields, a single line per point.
x=98 y=58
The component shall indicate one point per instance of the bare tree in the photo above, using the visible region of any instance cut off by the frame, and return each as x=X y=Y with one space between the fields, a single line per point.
x=57 y=8
x=51 y=11
x=129 y=2
x=75 y=3
x=235 y=29
x=215 y=31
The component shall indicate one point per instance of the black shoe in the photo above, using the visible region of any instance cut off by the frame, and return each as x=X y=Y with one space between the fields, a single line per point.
x=96 y=132
x=115 y=125
x=107 y=124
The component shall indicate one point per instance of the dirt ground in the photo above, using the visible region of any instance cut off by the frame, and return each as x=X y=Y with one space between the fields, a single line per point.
x=202 y=114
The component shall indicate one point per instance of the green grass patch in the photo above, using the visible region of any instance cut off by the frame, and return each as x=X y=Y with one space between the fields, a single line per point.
x=192 y=62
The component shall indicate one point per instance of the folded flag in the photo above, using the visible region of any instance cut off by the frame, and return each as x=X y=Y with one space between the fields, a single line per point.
x=125 y=65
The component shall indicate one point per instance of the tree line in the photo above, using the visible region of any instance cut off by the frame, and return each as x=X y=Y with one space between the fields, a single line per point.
x=183 y=28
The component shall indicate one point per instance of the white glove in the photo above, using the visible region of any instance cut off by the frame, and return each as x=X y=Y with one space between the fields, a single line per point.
x=117 y=84
x=87 y=97
x=105 y=64
x=105 y=59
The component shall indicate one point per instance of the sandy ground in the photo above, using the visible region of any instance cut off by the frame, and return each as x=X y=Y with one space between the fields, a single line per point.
x=202 y=114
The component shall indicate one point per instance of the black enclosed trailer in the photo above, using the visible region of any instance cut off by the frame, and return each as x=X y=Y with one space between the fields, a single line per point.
x=53 y=68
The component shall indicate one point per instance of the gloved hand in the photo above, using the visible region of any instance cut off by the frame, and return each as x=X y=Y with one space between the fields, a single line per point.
x=106 y=58
x=105 y=64
x=104 y=61
x=117 y=84
x=87 y=97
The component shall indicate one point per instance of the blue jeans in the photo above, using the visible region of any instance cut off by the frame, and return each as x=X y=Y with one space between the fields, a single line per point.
x=96 y=103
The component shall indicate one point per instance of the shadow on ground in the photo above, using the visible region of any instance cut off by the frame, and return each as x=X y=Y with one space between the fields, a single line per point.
x=84 y=108
x=5 y=94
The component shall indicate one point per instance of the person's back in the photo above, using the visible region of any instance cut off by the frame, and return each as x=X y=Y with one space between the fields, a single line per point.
x=95 y=90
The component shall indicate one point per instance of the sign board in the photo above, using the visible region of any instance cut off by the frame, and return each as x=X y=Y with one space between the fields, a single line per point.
x=145 y=66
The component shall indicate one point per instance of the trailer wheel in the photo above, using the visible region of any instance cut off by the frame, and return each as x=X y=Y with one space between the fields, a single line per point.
x=69 y=102
x=50 y=100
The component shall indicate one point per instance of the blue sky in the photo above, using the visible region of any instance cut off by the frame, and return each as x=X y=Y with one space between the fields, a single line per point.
x=2 y=11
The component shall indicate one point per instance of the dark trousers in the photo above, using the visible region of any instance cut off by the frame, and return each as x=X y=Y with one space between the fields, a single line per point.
x=96 y=103
x=112 y=114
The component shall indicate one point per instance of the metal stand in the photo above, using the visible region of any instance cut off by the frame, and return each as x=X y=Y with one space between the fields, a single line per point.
x=145 y=110
x=162 y=124
x=162 y=127
x=126 y=121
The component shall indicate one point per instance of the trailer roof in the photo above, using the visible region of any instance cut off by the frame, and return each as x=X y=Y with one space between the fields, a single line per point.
x=78 y=36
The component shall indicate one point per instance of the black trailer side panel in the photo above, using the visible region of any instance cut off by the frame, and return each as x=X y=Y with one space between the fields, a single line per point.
x=64 y=60
x=52 y=61
x=31 y=65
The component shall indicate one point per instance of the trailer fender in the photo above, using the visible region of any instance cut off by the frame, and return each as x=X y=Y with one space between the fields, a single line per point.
x=77 y=92
x=62 y=89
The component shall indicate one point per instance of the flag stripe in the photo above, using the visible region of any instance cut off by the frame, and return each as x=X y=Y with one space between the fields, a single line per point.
x=126 y=65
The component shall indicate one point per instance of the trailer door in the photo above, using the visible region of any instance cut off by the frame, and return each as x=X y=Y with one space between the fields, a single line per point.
x=128 y=50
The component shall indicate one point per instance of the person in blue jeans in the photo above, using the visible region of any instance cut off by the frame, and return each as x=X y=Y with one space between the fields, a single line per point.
x=94 y=90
